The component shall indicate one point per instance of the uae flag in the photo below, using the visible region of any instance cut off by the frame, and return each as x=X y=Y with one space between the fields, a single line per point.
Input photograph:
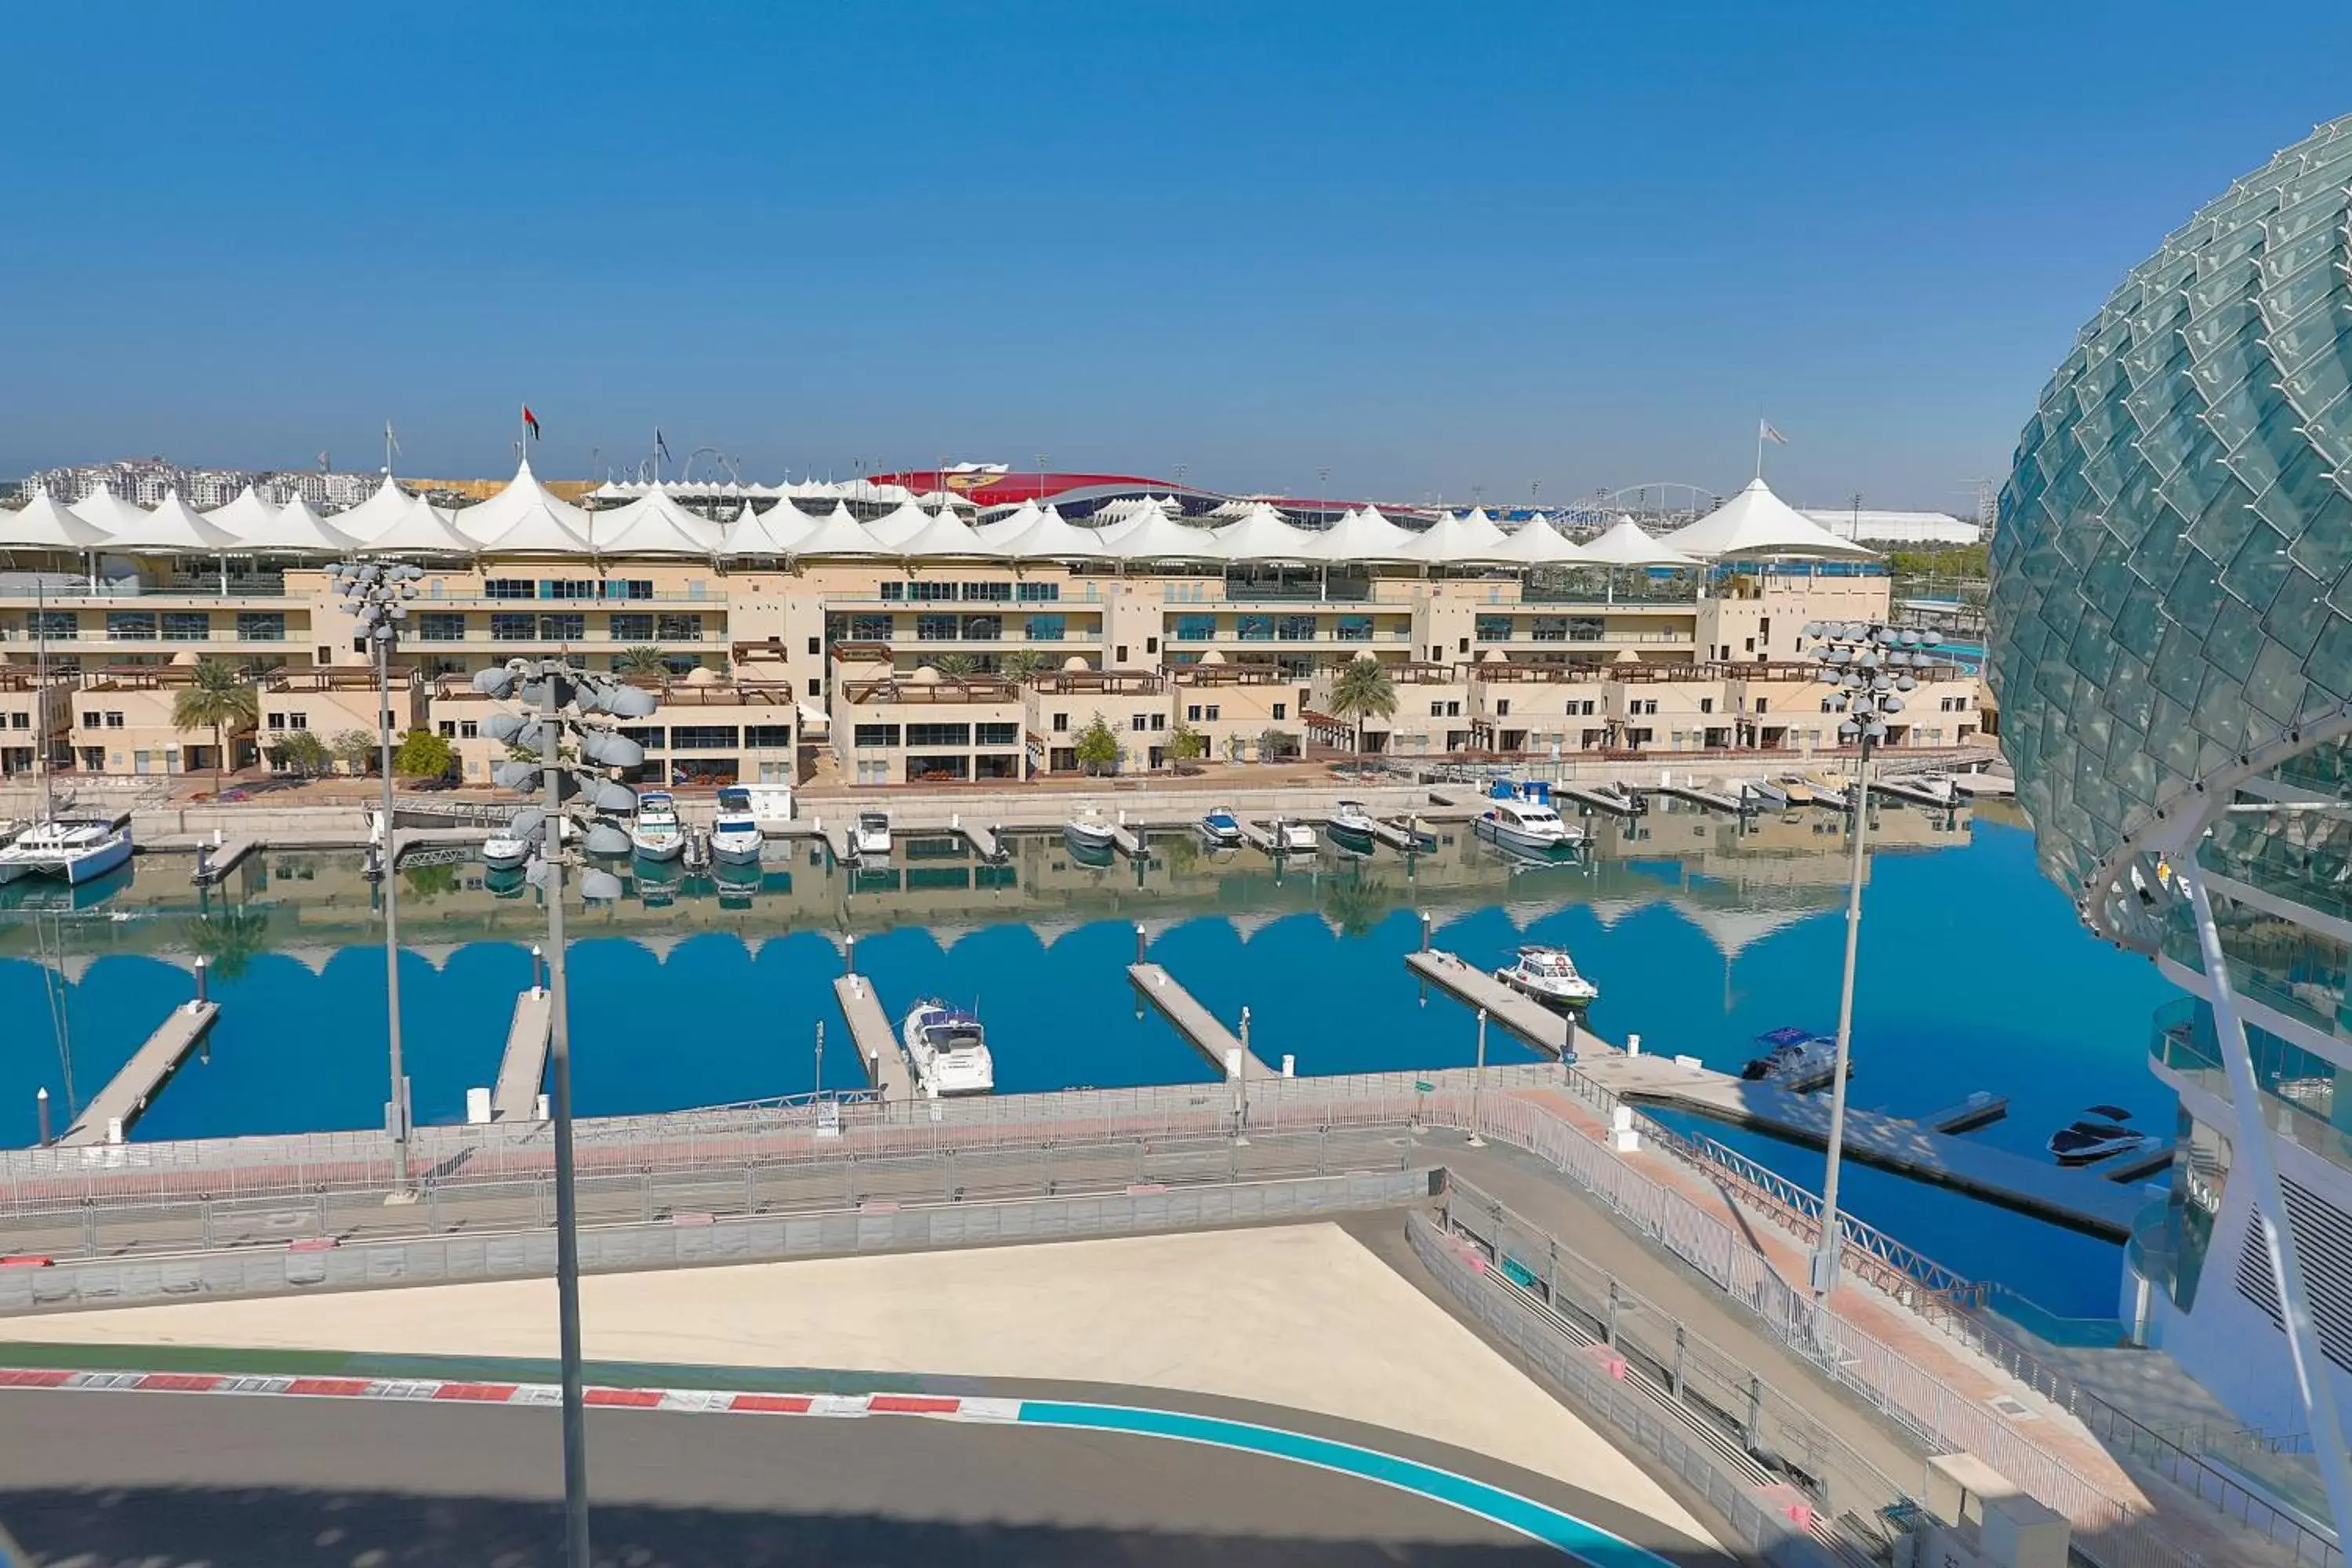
x=530 y=421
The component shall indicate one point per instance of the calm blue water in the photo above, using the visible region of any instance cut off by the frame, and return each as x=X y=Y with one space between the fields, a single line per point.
x=1975 y=975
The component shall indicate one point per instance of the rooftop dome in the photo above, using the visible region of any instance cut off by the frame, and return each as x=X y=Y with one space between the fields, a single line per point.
x=1212 y=656
x=925 y=675
x=702 y=675
x=1076 y=661
x=2171 y=597
x=187 y=658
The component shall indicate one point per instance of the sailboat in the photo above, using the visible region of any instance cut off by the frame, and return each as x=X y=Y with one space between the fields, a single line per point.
x=74 y=849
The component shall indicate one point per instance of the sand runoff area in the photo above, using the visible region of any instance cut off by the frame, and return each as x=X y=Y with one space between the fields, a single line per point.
x=1300 y=1316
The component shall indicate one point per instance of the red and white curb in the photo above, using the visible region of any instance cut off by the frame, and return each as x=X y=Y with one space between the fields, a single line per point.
x=411 y=1391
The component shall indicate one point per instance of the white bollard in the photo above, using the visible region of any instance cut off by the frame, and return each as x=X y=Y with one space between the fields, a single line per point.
x=1621 y=1136
x=1632 y=1045
x=114 y=1129
x=1290 y=1064
x=477 y=1107
x=1233 y=1064
x=540 y=1110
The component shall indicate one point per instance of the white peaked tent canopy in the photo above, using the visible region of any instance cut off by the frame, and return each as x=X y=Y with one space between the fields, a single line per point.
x=247 y=516
x=1156 y=536
x=1262 y=534
x=1757 y=523
x=1051 y=537
x=524 y=516
x=293 y=527
x=901 y=525
x=1627 y=546
x=838 y=534
x=419 y=529
x=1372 y=538
x=652 y=525
x=111 y=515
x=775 y=532
x=1539 y=543
x=387 y=506
x=1469 y=538
x=1011 y=525
x=42 y=524
x=943 y=537
x=172 y=525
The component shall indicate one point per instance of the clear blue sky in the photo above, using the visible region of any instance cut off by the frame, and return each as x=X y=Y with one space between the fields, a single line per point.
x=1427 y=246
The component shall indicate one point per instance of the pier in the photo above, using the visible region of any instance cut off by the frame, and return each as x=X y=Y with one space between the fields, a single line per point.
x=1713 y=799
x=524 y=1066
x=216 y=861
x=870 y=1032
x=1525 y=1017
x=1981 y=1108
x=1599 y=800
x=110 y=1113
x=985 y=842
x=1256 y=837
x=1406 y=834
x=1195 y=1022
x=1127 y=841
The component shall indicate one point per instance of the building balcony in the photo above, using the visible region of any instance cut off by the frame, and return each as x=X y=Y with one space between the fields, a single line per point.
x=2298 y=1102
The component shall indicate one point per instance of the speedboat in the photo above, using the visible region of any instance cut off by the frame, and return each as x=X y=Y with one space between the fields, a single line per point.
x=656 y=834
x=504 y=852
x=71 y=849
x=1763 y=794
x=1549 y=974
x=1826 y=790
x=1291 y=837
x=1795 y=1060
x=1519 y=823
x=869 y=836
x=2098 y=1134
x=1352 y=824
x=735 y=831
x=948 y=1051
x=1794 y=789
x=1222 y=828
x=1089 y=830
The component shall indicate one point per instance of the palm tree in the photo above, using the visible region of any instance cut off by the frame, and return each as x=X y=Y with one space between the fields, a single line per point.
x=218 y=699
x=1363 y=690
x=643 y=658
x=954 y=666
x=1023 y=663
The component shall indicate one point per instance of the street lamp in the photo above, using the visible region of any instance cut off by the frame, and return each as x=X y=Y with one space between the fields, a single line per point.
x=572 y=705
x=1868 y=667
x=377 y=595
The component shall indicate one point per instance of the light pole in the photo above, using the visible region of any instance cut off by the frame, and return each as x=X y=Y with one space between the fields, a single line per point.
x=570 y=703
x=1869 y=665
x=377 y=595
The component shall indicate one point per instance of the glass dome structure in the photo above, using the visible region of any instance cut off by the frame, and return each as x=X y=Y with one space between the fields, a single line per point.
x=2171 y=603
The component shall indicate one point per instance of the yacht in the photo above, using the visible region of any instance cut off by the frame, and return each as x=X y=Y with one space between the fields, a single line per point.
x=71 y=849
x=1549 y=974
x=1089 y=830
x=2098 y=1134
x=1762 y=794
x=735 y=831
x=504 y=852
x=1519 y=823
x=869 y=836
x=948 y=1051
x=1292 y=838
x=1795 y=1060
x=1352 y=824
x=656 y=834
x=1222 y=828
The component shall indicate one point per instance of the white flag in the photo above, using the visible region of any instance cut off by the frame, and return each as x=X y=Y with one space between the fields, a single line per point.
x=1764 y=432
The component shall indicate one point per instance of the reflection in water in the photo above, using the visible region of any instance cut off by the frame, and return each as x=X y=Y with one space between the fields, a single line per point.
x=693 y=989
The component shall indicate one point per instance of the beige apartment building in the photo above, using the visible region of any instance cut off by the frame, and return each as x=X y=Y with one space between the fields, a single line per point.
x=923 y=669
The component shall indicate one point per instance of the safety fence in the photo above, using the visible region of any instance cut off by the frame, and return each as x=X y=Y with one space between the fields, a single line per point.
x=531 y=1253
x=1686 y=1403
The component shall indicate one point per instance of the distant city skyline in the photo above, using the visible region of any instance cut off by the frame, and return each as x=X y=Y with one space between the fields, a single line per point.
x=1431 y=255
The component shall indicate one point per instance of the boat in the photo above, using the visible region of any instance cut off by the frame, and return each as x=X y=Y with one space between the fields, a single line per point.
x=1222 y=828
x=1794 y=789
x=1760 y=793
x=1524 y=823
x=1615 y=796
x=2098 y=1134
x=1549 y=974
x=656 y=834
x=1795 y=1060
x=70 y=849
x=948 y=1049
x=869 y=836
x=1089 y=830
x=504 y=852
x=1828 y=791
x=1291 y=837
x=1353 y=826
x=735 y=831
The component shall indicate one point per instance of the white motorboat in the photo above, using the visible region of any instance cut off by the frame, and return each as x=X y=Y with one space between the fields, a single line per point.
x=735 y=831
x=2098 y=1134
x=504 y=851
x=1795 y=1060
x=1352 y=823
x=1089 y=830
x=72 y=849
x=1291 y=837
x=1222 y=828
x=657 y=835
x=948 y=1049
x=869 y=836
x=1762 y=794
x=1549 y=974
x=1827 y=789
x=1519 y=823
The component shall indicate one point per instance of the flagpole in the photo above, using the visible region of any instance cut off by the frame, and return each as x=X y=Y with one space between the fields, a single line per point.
x=1760 y=445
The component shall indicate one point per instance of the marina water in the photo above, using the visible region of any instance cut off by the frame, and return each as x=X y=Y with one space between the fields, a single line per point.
x=1701 y=935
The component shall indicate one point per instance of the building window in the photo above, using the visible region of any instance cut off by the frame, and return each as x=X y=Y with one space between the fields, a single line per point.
x=931 y=593
x=261 y=626
x=1048 y=628
x=629 y=588
x=1138 y=722
x=678 y=628
x=892 y=592
x=988 y=593
x=130 y=626
x=870 y=629
x=514 y=628
x=1254 y=629
x=1355 y=628
x=1751 y=644
x=984 y=628
x=1151 y=646
x=703 y=738
x=1041 y=592
x=1121 y=656
x=1196 y=628
x=877 y=735
x=440 y=627
x=508 y=588
x=187 y=626
x=1160 y=720
x=1282 y=710
x=631 y=628
x=1192 y=714
x=1061 y=725
x=997 y=735
x=817 y=687
x=567 y=587
x=935 y=734
x=1762 y=705
x=937 y=628
x=1437 y=709
x=449 y=731
x=57 y=625
x=1464 y=644
x=277 y=722
x=1295 y=629
x=1706 y=704
x=90 y=721
x=563 y=628
x=468 y=729
x=1453 y=708
x=1209 y=714
x=114 y=721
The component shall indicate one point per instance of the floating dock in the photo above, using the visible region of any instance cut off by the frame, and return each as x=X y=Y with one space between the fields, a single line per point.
x=1918 y=793
x=1521 y=1014
x=984 y=841
x=1713 y=799
x=151 y=1066
x=2140 y=1166
x=1407 y=834
x=214 y=862
x=524 y=1068
x=1981 y=1108
x=1128 y=842
x=1194 y=1021
x=1257 y=838
x=1599 y=800
x=870 y=1032
x=1984 y=783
